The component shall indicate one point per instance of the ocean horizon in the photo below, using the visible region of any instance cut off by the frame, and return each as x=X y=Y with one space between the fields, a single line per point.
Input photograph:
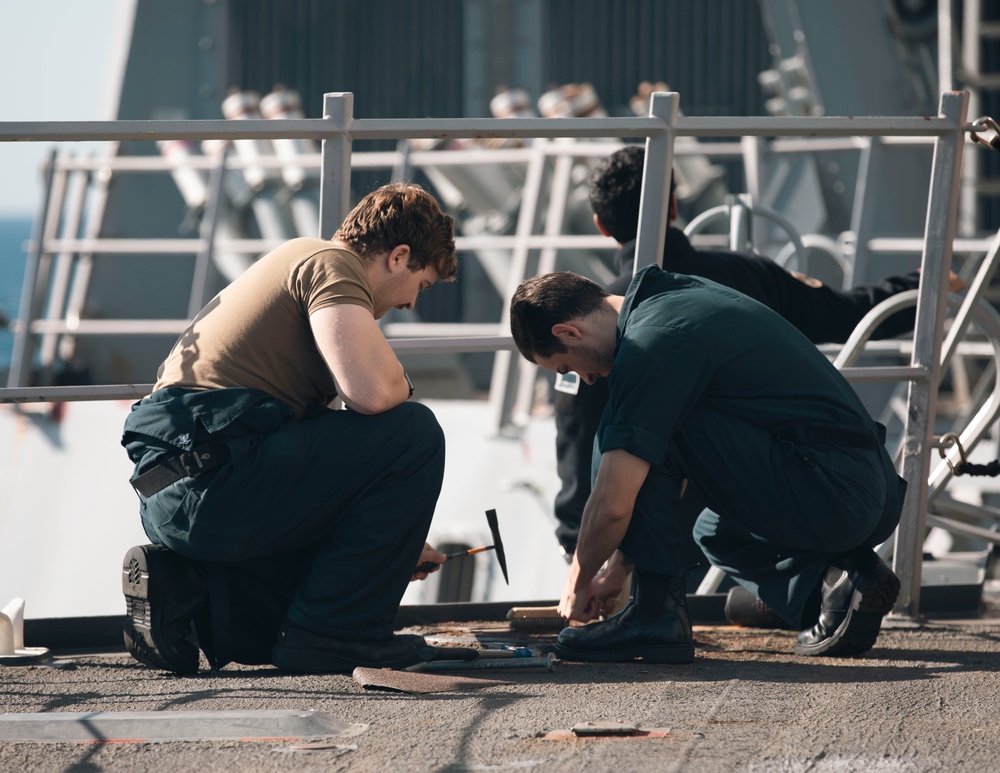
x=14 y=233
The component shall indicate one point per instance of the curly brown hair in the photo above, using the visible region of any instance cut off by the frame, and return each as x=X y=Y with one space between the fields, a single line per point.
x=402 y=213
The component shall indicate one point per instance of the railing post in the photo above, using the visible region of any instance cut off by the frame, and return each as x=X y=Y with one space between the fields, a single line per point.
x=741 y=238
x=918 y=432
x=36 y=275
x=503 y=379
x=209 y=225
x=654 y=202
x=335 y=176
x=555 y=217
x=62 y=270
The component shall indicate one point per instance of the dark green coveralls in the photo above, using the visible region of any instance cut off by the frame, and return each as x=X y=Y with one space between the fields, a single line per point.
x=711 y=386
x=321 y=520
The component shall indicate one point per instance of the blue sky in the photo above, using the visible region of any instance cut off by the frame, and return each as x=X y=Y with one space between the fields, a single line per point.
x=57 y=59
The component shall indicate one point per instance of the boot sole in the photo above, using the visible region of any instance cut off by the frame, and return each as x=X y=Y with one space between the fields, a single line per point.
x=860 y=629
x=317 y=662
x=308 y=662
x=653 y=654
x=143 y=599
x=310 y=653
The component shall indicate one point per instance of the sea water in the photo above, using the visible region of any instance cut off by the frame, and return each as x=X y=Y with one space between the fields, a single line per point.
x=14 y=233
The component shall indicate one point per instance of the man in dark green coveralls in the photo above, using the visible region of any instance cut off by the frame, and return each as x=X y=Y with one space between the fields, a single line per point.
x=712 y=391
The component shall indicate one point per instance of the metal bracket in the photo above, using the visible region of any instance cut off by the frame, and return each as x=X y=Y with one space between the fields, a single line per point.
x=983 y=124
x=949 y=440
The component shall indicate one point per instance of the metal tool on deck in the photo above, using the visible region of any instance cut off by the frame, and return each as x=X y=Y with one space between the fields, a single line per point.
x=548 y=661
x=491 y=519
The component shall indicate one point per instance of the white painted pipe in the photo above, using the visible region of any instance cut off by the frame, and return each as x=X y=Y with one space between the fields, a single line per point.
x=12 y=627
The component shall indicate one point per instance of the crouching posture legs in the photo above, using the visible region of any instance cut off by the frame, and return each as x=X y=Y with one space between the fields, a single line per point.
x=296 y=552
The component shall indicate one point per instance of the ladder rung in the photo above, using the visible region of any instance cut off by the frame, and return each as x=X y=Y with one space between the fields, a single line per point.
x=886 y=373
x=91 y=327
x=982 y=80
x=73 y=393
x=153 y=246
x=989 y=29
x=988 y=186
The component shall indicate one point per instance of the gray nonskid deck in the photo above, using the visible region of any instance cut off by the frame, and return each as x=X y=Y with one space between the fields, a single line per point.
x=924 y=699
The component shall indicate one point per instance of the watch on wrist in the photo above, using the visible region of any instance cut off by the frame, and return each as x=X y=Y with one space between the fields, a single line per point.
x=408 y=382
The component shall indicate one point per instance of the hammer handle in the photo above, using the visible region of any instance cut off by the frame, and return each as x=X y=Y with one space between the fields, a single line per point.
x=430 y=566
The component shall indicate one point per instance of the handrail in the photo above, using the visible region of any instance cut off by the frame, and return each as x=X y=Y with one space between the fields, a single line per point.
x=184 y=246
x=445 y=157
x=339 y=129
x=61 y=394
x=912 y=128
x=473 y=128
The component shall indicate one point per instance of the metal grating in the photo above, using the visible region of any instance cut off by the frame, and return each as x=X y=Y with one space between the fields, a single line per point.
x=709 y=51
x=405 y=60
x=401 y=60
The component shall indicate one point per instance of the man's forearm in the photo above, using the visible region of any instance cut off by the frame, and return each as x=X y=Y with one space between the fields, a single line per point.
x=608 y=512
x=600 y=536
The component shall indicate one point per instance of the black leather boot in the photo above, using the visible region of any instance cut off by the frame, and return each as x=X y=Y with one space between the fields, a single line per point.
x=857 y=592
x=163 y=593
x=308 y=652
x=655 y=626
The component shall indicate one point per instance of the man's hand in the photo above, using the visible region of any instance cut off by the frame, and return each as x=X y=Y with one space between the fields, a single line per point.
x=588 y=601
x=576 y=602
x=606 y=518
x=432 y=555
x=579 y=601
x=609 y=582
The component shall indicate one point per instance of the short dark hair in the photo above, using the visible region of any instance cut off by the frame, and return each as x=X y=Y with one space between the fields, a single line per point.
x=615 y=189
x=402 y=213
x=543 y=301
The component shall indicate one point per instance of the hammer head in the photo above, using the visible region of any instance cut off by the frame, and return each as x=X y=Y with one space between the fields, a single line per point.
x=491 y=519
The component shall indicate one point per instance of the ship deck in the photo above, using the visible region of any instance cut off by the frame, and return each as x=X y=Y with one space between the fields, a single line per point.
x=923 y=700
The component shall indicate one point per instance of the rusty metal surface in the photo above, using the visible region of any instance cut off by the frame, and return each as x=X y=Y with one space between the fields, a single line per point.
x=417 y=683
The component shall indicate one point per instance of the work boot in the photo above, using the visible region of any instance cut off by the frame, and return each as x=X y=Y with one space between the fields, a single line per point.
x=308 y=652
x=745 y=609
x=163 y=592
x=625 y=594
x=655 y=626
x=857 y=592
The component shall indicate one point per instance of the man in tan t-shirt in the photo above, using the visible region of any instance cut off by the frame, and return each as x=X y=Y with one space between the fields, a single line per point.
x=285 y=532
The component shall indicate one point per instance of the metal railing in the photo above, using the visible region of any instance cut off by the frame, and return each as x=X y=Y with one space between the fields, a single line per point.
x=338 y=129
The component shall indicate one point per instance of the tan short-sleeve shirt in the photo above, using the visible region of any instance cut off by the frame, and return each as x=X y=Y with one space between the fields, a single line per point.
x=256 y=333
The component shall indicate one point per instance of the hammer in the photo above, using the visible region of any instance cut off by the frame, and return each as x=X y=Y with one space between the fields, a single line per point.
x=491 y=519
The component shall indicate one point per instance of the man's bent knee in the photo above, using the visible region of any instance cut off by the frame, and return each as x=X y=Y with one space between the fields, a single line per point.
x=421 y=428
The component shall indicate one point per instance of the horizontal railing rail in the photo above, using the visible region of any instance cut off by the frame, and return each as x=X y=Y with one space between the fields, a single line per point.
x=338 y=129
x=472 y=128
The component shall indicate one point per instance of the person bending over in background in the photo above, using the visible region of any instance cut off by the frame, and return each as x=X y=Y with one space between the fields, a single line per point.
x=823 y=314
